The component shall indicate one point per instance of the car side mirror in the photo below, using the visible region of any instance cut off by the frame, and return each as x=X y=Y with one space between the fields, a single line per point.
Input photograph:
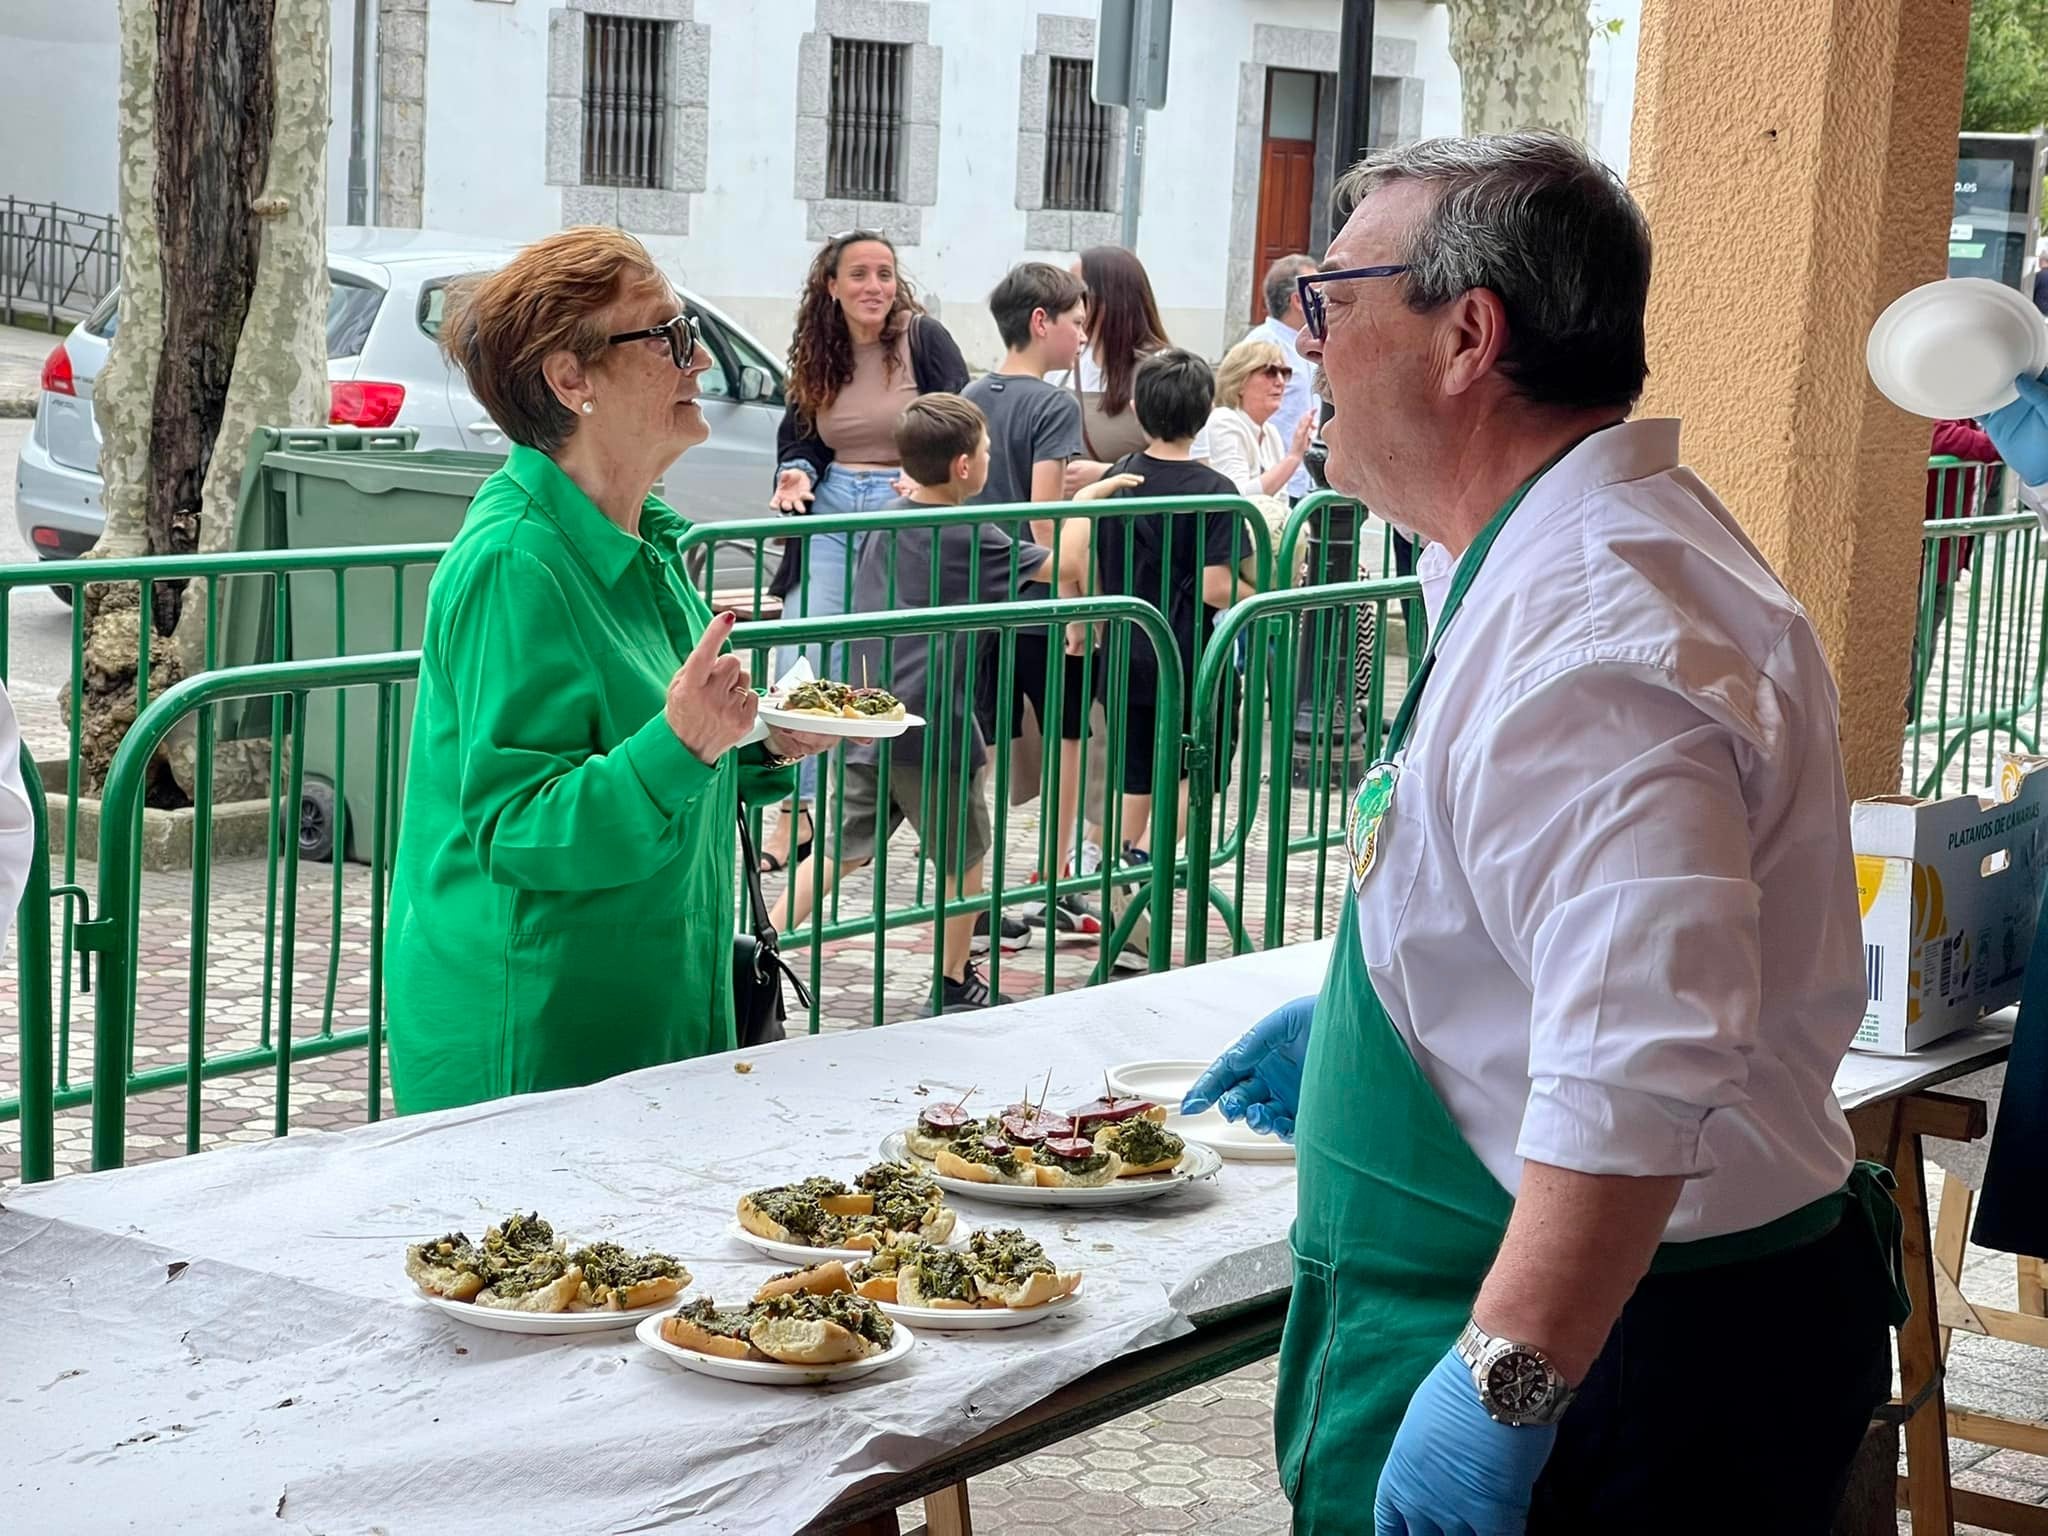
x=753 y=384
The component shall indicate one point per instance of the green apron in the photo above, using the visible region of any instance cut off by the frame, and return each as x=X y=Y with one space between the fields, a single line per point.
x=1397 y=1219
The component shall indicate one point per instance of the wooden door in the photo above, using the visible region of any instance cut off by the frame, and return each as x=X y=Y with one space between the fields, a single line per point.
x=1287 y=174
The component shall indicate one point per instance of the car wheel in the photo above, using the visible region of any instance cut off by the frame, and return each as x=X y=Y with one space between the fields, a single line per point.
x=63 y=594
x=319 y=822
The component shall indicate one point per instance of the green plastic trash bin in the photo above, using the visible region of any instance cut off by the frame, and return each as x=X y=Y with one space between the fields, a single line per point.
x=347 y=490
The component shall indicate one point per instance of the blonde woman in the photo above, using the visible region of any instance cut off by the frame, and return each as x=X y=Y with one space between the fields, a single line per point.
x=1240 y=440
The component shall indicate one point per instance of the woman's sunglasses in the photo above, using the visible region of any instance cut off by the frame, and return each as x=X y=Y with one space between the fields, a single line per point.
x=1277 y=371
x=683 y=333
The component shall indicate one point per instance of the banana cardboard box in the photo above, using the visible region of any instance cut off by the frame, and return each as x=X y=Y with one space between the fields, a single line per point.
x=1950 y=891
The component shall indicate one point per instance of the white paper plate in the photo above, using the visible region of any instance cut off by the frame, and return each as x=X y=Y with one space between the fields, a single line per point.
x=1168 y=1082
x=1199 y=1162
x=1951 y=349
x=500 y=1321
x=976 y=1319
x=772 y=1373
x=804 y=1258
x=865 y=729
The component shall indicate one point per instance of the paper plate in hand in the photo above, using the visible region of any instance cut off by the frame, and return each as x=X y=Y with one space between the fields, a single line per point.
x=1168 y=1082
x=501 y=1321
x=773 y=1373
x=976 y=1319
x=1951 y=349
x=861 y=728
x=1198 y=1162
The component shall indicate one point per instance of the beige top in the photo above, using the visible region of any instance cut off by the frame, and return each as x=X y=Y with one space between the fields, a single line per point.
x=860 y=425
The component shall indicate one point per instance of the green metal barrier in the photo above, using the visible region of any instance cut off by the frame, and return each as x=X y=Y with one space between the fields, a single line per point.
x=1099 y=679
x=1979 y=651
x=36 y=1104
x=114 y=935
x=1271 y=621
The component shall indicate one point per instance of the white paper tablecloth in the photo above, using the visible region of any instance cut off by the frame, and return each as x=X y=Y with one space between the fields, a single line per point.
x=283 y=1380
x=227 y=1342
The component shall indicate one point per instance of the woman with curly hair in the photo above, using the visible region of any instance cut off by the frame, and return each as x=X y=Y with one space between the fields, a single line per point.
x=863 y=348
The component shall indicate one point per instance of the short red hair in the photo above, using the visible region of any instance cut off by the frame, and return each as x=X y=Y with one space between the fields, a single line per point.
x=500 y=326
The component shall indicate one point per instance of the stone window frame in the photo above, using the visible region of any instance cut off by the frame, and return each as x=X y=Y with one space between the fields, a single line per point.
x=1313 y=50
x=905 y=22
x=1062 y=229
x=648 y=210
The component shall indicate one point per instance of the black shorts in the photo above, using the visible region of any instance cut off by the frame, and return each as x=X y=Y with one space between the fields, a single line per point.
x=1029 y=682
x=1139 y=719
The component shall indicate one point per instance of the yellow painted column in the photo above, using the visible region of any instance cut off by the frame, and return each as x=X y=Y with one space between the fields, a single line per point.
x=1796 y=159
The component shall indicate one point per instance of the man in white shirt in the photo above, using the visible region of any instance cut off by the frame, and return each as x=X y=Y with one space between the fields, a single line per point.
x=1567 y=1145
x=1282 y=326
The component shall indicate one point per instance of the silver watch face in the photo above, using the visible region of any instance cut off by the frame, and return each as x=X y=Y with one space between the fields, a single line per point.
x=1519 y=1384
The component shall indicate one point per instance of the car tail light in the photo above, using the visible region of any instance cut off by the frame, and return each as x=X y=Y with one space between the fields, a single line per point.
x=57 y=372
x=47 y=538
x=355 y=403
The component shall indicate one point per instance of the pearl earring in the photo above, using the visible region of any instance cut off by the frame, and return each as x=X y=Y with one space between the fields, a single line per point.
x=589 y=406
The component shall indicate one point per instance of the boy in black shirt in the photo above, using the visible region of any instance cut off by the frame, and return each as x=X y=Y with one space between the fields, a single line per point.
x=1180 y=561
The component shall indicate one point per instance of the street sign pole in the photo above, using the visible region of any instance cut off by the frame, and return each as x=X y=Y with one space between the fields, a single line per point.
x=1132 y=40
x=1134 y=139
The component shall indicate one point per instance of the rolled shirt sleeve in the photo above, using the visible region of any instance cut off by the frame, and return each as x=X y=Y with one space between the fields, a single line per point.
x=1609 y=848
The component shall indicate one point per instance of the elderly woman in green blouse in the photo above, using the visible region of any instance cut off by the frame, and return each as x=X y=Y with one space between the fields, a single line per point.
x=563 y=907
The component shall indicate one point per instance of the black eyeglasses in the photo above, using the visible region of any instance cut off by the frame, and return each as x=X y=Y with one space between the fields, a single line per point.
x=1316 y=319
x=683 y=333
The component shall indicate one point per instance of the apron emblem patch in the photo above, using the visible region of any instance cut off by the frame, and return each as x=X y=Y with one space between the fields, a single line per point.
x=1368 y=807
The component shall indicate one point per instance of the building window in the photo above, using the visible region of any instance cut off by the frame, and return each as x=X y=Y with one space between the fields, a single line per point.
x=864 y=150
x=626 y=93
x=1078 y=132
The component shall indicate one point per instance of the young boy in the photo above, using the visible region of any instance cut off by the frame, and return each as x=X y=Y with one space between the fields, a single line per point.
x=1034 y=427
x=1180 y=561
x=944 y=444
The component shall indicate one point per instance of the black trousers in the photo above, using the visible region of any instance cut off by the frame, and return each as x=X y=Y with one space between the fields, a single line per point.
x=1727 y=1402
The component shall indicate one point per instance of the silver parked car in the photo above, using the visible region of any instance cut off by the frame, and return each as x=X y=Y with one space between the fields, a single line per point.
x=384 y=370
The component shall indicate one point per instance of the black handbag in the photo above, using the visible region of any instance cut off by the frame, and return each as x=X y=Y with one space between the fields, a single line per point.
x=758 y=968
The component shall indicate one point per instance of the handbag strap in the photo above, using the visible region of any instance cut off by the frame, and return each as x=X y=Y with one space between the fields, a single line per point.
x=762 y=927
x=1081 y=399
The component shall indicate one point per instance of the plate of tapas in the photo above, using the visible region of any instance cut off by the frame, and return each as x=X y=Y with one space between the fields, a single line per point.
x=1115 y=1150
x=801 y=1338
x=1000 y=1279
x=823 y=1218
x=1168 y=1082
x=523 y=1279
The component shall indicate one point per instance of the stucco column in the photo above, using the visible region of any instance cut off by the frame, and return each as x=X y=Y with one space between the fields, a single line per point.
x=1796 y=159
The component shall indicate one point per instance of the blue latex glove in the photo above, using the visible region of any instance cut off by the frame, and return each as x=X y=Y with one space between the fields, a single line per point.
x=1453 y=1471
x=2020 y=430
x=1258 y=1080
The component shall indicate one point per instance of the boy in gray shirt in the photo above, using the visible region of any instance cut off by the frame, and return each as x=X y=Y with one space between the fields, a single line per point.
x=944 y=445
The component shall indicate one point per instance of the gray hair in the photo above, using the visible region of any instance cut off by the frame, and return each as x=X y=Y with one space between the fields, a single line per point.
x=1534 y=219
x=1280 y=283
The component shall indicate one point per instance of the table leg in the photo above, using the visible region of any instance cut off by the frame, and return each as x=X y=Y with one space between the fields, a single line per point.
x=2033 y=1286
x=946 y=1514
x=1951 y=1237
x=1927 y=1468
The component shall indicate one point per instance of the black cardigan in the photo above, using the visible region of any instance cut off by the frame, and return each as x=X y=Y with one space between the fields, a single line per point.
x=935 y=364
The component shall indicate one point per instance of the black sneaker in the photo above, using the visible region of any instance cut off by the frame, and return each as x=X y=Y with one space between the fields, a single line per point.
x=1070 y=915
x=1016 y=935
x=970 y=992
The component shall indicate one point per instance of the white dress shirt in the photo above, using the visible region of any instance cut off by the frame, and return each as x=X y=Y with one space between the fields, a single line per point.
x=17 y=833
x=1614 y=911
x=1295 y=403
x=1234 y=445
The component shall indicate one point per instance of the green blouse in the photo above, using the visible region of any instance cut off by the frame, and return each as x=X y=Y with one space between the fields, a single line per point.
x=563 y=903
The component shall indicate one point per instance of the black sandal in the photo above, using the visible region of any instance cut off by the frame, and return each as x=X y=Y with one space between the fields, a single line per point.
x=772 y=865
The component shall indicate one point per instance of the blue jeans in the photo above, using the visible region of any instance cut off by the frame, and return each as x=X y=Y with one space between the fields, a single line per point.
x=828 y=578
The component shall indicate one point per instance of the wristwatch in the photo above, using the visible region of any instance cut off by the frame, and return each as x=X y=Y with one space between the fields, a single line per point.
x=1517 y=1383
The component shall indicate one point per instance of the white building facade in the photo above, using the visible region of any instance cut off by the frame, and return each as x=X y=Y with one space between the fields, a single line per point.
x=734 y=135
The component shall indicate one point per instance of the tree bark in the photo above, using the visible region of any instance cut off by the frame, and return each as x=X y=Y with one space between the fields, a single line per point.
x=222 y=128
x=1521 y=64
